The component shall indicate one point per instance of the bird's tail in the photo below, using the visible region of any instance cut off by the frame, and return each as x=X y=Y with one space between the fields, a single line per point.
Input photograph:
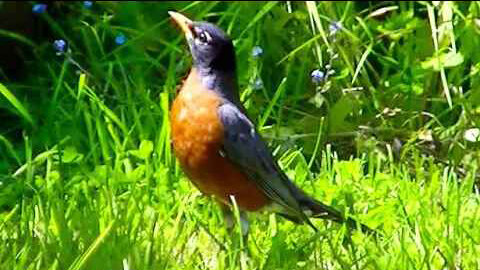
x=320 y=210
x=316 y=209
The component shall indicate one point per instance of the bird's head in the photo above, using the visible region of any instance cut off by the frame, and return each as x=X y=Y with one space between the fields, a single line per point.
x=211 y=48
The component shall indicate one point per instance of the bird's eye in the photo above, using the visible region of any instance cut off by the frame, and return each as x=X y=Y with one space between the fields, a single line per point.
x=204 y=37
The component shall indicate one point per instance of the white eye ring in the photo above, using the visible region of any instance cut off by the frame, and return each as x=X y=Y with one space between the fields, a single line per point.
x=204 y=37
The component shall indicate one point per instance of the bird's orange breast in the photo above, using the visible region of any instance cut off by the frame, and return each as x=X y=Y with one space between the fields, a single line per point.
x=197 y=134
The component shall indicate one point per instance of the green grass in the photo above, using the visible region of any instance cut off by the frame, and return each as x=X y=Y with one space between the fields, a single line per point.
x=89 y=180
x=145 y=216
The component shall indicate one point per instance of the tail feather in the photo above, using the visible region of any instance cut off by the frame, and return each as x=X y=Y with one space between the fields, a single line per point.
x=320 y=210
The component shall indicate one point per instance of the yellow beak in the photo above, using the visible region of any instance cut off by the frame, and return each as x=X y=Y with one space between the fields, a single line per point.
x=184 y=23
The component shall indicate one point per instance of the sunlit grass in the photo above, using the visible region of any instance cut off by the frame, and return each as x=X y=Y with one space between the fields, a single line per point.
x=93 y=184
x=129 y=214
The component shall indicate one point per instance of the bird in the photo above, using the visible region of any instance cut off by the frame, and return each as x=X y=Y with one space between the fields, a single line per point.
x=220 y=149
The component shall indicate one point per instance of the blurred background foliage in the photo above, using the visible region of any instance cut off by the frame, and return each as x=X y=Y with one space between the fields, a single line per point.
x=384 y=82
x=353 y=97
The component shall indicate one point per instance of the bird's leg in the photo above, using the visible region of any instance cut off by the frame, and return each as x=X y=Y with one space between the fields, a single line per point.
x=229 y=219
x=245 y=225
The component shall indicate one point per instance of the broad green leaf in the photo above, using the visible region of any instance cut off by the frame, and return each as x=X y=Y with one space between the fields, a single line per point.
x=70 y=155
x=452 y=59
x=146 y=148
x=144 y=151
x=338 y=113
x=447 y=60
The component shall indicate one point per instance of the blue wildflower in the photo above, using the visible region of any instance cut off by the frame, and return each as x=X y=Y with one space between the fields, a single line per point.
x=257 y=84
x=60 y=45
x=257 y=51
x=87 y=4
x=120 y=39
x=317 y=76
x=334 y=27
x=39 y=8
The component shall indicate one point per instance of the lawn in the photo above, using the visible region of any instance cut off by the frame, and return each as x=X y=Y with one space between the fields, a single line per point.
x=371 y=107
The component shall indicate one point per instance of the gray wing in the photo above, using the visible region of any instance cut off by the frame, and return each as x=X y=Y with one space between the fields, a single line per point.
x=244 y=147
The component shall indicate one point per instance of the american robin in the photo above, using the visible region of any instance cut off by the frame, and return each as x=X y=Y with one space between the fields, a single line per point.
x=218 y=146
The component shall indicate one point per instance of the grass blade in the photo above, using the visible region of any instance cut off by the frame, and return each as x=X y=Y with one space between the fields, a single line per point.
x=81 y=261
x=15 y=103
x=268 y=111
